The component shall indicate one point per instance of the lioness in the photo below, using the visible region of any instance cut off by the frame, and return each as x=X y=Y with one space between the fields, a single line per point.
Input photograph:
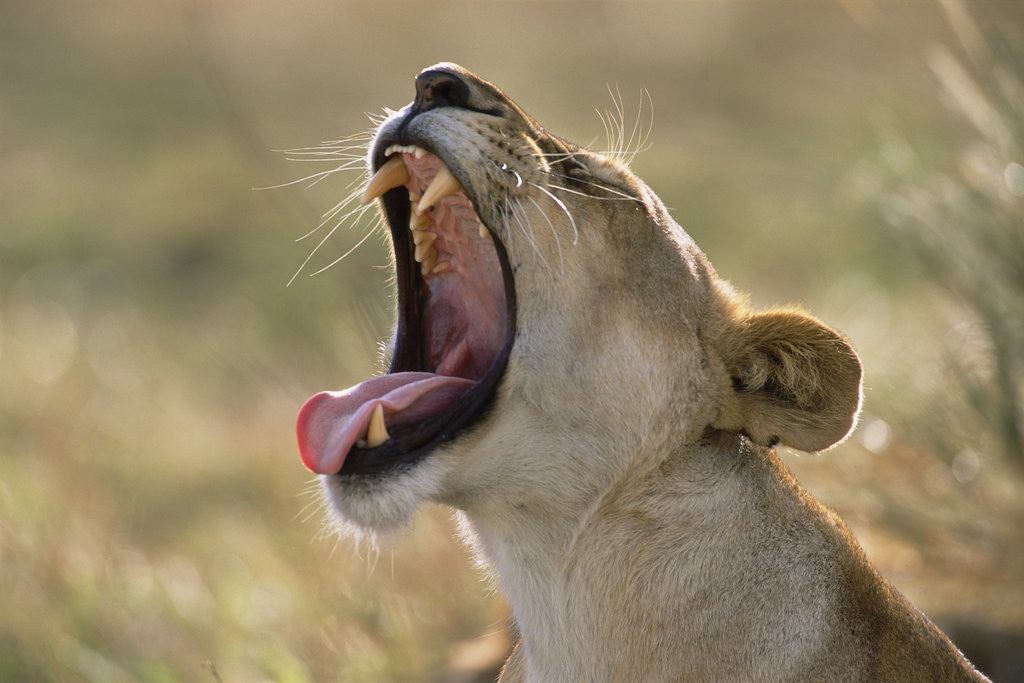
x=570 y=373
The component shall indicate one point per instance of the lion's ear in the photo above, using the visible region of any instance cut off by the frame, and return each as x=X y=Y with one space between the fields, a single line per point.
x=794 y=381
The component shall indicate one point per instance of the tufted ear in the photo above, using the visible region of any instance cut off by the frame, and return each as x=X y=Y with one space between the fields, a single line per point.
x=794 y=381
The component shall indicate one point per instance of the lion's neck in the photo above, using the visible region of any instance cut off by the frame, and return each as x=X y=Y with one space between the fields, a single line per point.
x=527 y=554
x=544 y=557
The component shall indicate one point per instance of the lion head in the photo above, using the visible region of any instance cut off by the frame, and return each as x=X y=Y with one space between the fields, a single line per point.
x=555 y=328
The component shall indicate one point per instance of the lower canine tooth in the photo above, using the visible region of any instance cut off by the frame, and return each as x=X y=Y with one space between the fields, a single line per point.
x=443 y=184
x=377 y=433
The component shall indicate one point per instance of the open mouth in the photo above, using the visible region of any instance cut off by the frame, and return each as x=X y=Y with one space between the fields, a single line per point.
x=456 y=325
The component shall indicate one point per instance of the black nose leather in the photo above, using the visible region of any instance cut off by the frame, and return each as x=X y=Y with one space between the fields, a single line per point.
x=440 y=89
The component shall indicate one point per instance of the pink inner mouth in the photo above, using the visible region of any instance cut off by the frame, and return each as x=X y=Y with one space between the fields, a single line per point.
x=463 y=328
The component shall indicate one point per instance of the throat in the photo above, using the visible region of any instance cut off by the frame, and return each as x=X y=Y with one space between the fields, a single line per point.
x=536 y=552
x=462 y=330
x=530 y=570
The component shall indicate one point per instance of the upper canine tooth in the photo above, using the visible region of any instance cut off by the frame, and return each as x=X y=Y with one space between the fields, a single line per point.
x=392 y=174
x=443 y=184
x=484 y=232
x=377 y=433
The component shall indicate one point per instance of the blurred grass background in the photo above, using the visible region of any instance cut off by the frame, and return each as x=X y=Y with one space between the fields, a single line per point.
x=861 y=157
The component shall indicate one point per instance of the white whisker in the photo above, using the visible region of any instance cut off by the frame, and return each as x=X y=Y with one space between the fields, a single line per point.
x=629 y=152
x=519 y=214
x=369 y=233
x=327 y=149
x=601 y=186
x=641 y=134
x=578 y=193
x=345 y=148
x=565 y=209
x=313 y=505
x=330 y=215
x=313 y=253
x=619 y=146
x=315 y=177
x=378 y=119
x=607 y=128
x=347 y=154
x=348 y=158
x=358 y=212
x=618 y=119
x=554 y=233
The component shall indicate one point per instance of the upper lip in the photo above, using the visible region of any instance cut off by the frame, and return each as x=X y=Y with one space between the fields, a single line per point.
x=408 y=442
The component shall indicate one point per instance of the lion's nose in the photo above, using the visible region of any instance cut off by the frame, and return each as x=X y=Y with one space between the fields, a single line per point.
x=437 y=88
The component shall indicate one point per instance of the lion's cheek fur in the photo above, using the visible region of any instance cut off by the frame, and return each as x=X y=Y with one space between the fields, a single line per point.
x=608 y=343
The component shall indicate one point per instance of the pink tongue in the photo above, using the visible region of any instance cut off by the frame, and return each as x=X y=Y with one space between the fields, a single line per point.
x=330 y=422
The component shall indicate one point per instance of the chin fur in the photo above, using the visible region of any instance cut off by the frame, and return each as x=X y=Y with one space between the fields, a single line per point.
x=378 y=506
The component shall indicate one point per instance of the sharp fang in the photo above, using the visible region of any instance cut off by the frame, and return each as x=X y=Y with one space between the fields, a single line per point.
x=420 y=153
x=443 y=184
x=423 y=237
x=392 y=174
x=424 y=252
x=377 y=433
x=484 y=232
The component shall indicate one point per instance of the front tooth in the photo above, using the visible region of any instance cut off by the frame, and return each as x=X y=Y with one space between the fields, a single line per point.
x=392 y=174
x=443 y=184
x=418 y=152
x=377 y=433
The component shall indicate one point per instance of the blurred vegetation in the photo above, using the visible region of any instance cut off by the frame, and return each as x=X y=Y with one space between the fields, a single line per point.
x=861 y=157
x=966 y=226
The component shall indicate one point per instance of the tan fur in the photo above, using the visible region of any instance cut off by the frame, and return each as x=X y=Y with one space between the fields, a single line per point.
x=623 y=488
